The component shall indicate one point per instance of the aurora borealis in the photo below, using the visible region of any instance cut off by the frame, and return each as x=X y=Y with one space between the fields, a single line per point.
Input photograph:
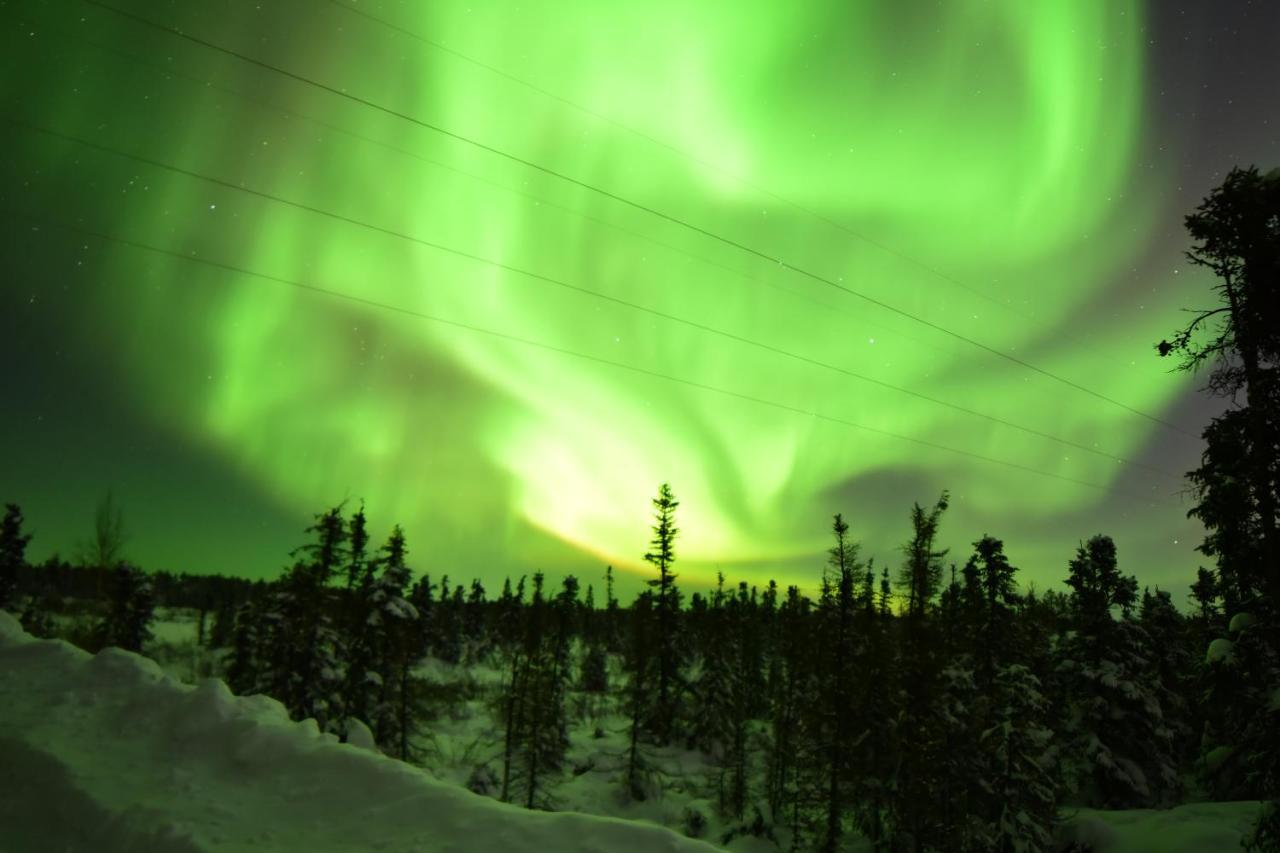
x=1015 y=173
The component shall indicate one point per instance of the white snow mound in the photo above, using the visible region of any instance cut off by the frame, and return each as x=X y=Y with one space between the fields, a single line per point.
x=1239 y=622
x=106 y=753
x=1191 y=828
x=1220 y=650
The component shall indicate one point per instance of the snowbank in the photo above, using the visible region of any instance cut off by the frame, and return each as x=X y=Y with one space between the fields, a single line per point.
x=105 y=752
x=1193 y=828
x=1220 y=650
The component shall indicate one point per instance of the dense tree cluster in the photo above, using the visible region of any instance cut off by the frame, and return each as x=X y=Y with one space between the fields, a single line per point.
x=917 y=714
x=891 y=706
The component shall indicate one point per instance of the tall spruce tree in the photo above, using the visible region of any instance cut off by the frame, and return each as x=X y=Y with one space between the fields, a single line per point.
x=393 y=699
x=667 y=611
x=993 y=627
x=1118 y=734
x=1016 y=786
x=302 y=655
x=1236 y=230
x=357 y=550
x=13 y=547
x=839 y=651
x=710 y=702
x=640 y=666
x=535 y=737
x=875 y=712
x=919 y=742
x=790 y=691
x=130 y=610
x=594 y=674
x=243 y=673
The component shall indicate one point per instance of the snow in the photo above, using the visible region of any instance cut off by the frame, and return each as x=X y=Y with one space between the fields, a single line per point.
x=109 y=753
x=106 y=752
x=1220 y=650
x=1215 y=758
x=1191 y=828
x=358 y=735
x=1240 y=621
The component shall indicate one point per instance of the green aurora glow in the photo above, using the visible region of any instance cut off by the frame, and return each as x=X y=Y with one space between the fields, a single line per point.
x=981 y=159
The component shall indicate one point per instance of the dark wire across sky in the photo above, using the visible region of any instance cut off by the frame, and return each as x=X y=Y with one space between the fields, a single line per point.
x=252 y=408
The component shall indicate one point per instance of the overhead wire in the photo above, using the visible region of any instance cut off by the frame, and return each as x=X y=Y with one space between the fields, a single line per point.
x=728 y=241
x=675 y=149
x=268 y=105
x=578 y=289
x=529 y=342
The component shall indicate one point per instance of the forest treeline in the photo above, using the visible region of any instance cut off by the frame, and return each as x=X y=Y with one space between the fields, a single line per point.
x=928 y=703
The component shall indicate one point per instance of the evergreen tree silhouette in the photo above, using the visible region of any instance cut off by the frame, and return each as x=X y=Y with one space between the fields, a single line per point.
x=640 y=666
x=996 y=598
x=1237 y=238
x=131 y=609
x=1116 y=725
x=357 y=546
x=839 y=650
x=302 y=657
x=919 y=742
x=667 y=608
x=386 y=695
x=13 y=547
x=789 y=690
x=243 y=673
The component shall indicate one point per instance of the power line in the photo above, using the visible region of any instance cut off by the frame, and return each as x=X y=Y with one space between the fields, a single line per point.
x=693 y=158
x=638 y=206
x=538 y=200
x=421 y=315
x=556 y=282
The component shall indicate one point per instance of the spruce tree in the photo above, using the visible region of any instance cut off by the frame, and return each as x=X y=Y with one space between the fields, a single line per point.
x=1168 y=649
x=790 y=685
x=1118 y=725
x=392 y=698
x=996 y=599
x=302 y=659
x=13 y=546
x=594 y=675
x=1016 y=790
x=519 y=694
x=445 y=627
x=875 y=715
x=709 y=705
x=510 y=616
x=613 y=638
x=422 y=597
x=667 y=610
x=1238 y=486
x=920 y=743
x=131 y=608
x=357 y=546
x=473 y=621
x=536 y=736
x=640 y=666
x=839 y=651
x=243 y=673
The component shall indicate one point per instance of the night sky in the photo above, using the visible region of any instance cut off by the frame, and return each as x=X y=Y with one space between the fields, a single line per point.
x=793 y=262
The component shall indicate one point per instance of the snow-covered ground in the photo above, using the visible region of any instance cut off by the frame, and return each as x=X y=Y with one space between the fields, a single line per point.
x=1191 y=828
x=107 y=753
x=112 y=752
x=462 y=745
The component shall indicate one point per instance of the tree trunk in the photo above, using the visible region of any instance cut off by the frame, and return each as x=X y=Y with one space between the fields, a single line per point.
x=1260 y=460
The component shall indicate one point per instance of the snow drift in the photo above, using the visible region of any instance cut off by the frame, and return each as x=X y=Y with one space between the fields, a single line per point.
x=105 y=752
